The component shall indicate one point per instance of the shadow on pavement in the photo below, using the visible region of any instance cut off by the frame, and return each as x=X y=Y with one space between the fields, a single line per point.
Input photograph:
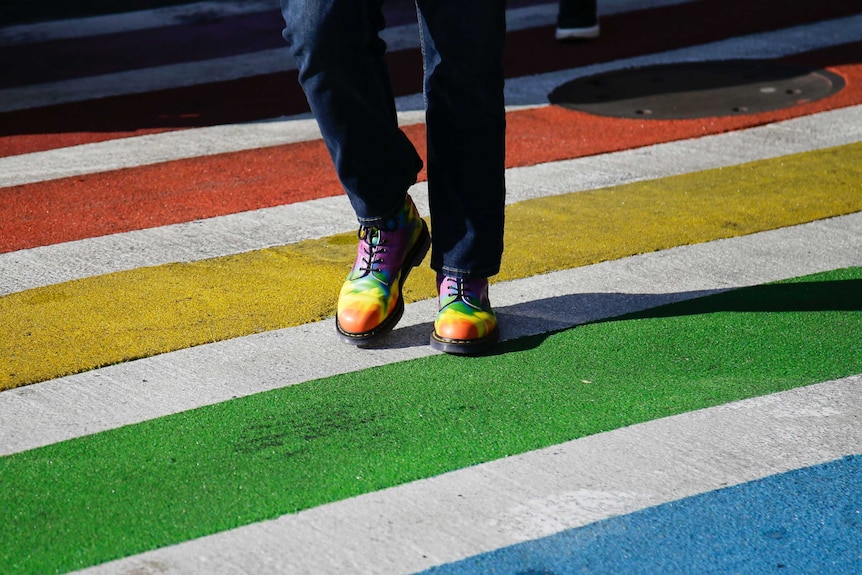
x=526 y=325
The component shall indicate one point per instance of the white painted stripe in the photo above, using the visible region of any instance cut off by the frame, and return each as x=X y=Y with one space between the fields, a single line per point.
x=130 y=21
x=110 y=397
x=478 y=509
x=157 y=148
x=525 y=91
x=281 y=225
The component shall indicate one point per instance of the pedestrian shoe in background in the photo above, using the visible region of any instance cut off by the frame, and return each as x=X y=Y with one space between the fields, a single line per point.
x=466 y=323
x=370 y=302
x=577 y=20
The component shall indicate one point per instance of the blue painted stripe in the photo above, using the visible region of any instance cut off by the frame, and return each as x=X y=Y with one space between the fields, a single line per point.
x=802 y=522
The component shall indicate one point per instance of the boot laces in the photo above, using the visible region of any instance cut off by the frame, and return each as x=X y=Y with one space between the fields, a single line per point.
x=373 y=243
x=457 y=290
x=461 y=292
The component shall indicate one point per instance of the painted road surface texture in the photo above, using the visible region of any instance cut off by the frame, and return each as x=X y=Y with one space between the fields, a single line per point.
x=679 y=385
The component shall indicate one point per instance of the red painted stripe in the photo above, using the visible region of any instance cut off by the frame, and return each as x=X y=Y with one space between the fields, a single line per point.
x=149 y=196
x=529 y=51
x=185 y=190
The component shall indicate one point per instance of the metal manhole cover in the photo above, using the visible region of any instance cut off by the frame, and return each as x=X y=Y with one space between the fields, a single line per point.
x=697 y=89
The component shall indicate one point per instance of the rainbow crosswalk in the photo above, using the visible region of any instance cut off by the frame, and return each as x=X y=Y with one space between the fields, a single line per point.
x=678 y=385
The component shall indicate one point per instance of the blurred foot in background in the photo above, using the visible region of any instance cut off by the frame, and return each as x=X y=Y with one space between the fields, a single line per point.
x=577 y=20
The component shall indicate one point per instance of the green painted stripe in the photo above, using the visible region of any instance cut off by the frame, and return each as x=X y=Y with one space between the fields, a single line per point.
x=88 y=500
x=84 y=324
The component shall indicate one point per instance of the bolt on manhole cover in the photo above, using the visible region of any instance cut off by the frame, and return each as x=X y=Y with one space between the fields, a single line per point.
x=697 y=89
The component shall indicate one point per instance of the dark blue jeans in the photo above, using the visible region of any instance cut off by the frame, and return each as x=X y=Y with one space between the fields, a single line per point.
x=339 y=52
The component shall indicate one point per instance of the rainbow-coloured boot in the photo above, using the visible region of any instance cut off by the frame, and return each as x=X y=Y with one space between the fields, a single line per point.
x=370 y=302
x=466 y=323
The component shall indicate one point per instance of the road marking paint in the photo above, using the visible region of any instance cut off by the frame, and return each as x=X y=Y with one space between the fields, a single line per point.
x=526 y=91
x=72 y=406
x=246 y=231
x=458 y=514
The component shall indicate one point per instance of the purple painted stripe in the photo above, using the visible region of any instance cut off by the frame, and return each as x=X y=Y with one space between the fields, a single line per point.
x=203 y=37
x=201 y=40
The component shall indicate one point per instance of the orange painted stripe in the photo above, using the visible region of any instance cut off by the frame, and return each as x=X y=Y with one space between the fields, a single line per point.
x=531 y=51
x=124 y=200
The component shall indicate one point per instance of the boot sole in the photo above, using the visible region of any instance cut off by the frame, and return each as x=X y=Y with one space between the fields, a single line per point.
x=413 y=259
x=465 y=346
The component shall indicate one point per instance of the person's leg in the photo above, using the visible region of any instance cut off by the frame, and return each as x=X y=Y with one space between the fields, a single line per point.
x=463 y=51
x=342 y=71
x=466 y=121
x=339 y=53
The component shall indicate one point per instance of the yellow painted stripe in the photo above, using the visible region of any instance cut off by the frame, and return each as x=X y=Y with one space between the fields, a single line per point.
x=84 y=324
